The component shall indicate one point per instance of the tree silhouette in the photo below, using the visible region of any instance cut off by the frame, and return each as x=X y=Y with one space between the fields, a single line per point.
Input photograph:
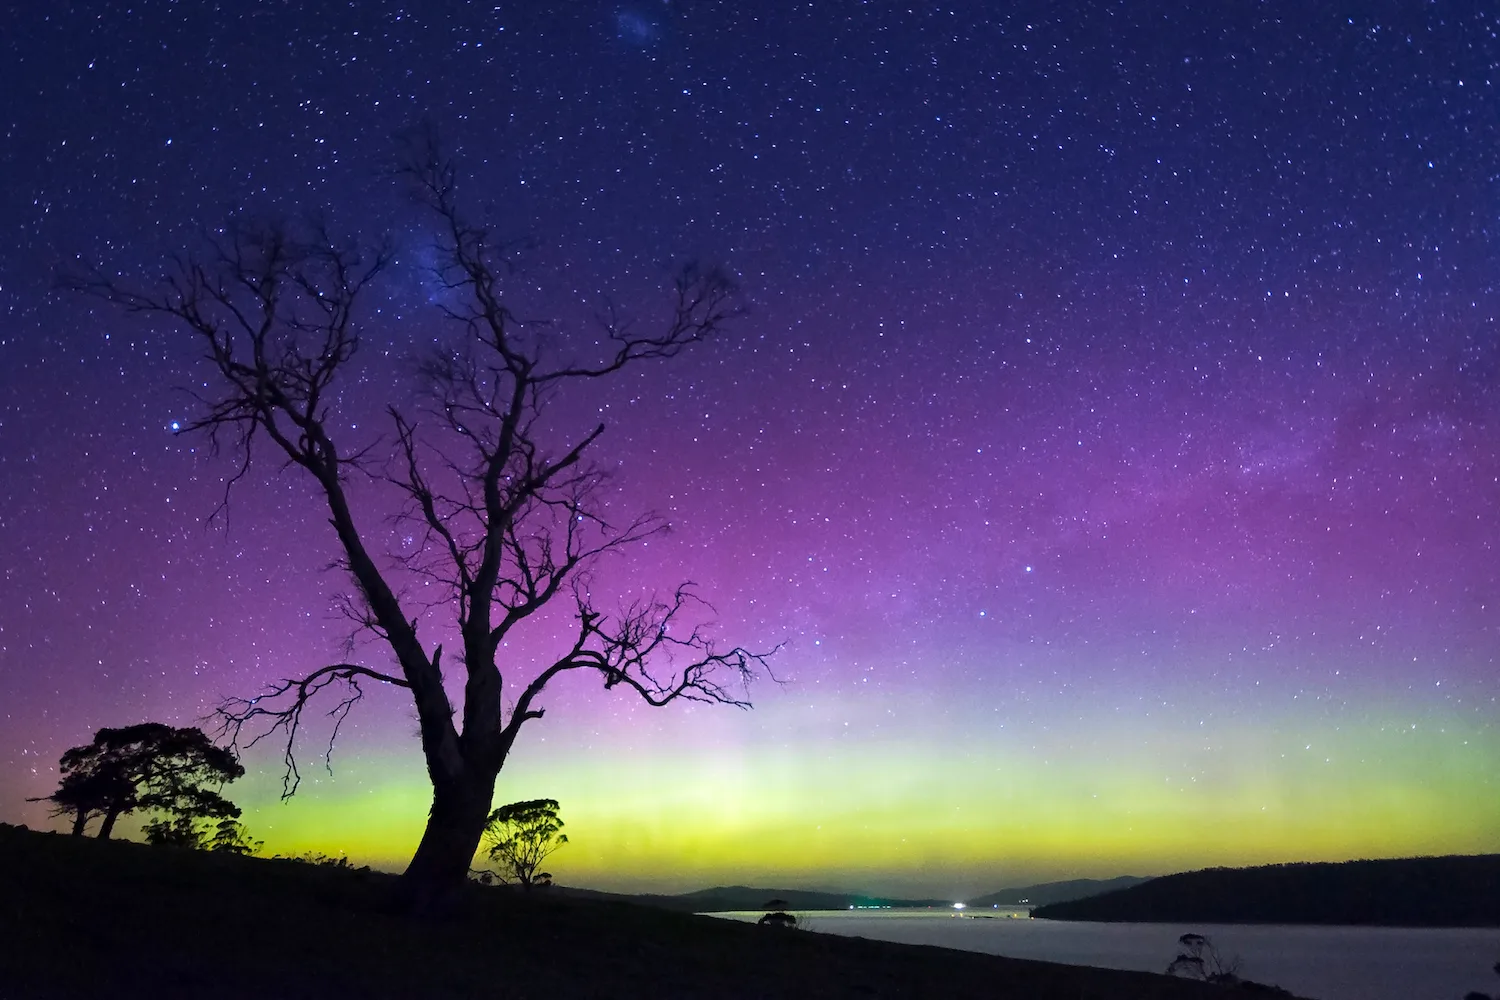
x=230 y=836
x=521 y=836
x=181 y=824
x=503 y=523
x=174 y=831
x=776 y=915
x=86 y=793
x=147 y=766
x=1199 y=959
x=227 y=835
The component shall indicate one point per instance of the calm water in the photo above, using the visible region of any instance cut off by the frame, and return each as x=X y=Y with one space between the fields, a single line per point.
x=1324 y=963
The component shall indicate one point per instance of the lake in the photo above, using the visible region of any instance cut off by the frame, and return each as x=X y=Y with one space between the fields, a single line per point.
x=1322 y=963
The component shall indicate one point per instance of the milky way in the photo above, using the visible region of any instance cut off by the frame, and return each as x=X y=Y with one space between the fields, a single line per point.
x=1110 y=437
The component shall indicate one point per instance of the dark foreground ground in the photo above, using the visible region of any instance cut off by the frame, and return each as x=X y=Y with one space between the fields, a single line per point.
x=80 y=918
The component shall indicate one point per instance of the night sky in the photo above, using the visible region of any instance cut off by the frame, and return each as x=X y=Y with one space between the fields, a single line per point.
x=1111 y=438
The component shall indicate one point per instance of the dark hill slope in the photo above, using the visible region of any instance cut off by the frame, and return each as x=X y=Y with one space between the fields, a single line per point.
x=1409 y=892
x=85 y=919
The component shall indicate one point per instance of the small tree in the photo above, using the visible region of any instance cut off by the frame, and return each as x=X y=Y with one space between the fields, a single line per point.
x=1199 y=959
x=776 y=915
x=521 y=836
x=184 y=810
x=174 y=831
x=147 y=766
x=231 y=837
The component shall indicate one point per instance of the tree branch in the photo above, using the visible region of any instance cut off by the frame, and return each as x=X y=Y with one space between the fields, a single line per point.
x=620 y=650
x=273 y=710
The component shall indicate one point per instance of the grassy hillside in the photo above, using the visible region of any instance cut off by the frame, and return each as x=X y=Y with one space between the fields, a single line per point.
x=1409 y=892
x=80 y=918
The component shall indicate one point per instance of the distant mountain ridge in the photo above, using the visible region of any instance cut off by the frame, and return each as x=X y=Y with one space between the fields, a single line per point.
x=743 y=897
x=1057 y=892
x=1452 y=891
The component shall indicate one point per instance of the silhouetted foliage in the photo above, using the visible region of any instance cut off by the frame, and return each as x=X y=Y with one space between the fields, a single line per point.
x=187 y=831
x=321 y=860
x=1460 y=891
x=86 y=793
x=1199 y=959
x=150 y=766
x=185 y=810
x=174 y=831
x=232 y=837
x=776 y=915
x=521 y=835
x=502 y=523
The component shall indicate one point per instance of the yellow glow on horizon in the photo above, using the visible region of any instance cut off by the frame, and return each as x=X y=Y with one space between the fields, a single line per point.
x=897 y=813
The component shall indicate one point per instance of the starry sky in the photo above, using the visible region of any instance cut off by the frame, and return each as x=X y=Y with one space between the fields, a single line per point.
x=1111 y=437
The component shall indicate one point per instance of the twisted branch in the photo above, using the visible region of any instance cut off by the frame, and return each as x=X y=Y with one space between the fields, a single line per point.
x=272 y=710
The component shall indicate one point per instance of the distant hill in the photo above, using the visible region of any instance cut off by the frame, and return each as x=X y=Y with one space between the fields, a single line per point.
x=1057 y=892
x=743 y=897
x=1459 y=891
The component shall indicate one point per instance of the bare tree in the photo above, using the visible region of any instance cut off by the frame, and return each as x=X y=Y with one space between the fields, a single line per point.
x=506 y=524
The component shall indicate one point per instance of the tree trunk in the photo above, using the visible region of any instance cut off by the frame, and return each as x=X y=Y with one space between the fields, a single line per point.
x=455 y=824
x=109 y=823
x=80 y=820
